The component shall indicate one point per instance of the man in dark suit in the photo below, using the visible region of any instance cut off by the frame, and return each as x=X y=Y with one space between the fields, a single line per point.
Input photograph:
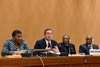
x=84 y=48
x=46 y=42
x=66 y=48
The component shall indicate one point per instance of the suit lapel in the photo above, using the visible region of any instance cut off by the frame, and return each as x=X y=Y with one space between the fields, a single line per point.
x=44 y=43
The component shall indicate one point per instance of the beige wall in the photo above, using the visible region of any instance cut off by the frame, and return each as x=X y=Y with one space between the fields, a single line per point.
x=76 y=18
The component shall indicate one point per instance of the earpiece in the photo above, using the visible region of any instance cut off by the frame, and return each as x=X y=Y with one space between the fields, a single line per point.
x=70 y=40
x=92 y=39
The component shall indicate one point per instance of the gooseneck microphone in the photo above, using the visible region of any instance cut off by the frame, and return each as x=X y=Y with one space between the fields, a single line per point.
x=68 y=49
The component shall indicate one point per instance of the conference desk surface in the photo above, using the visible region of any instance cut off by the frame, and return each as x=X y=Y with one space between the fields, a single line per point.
x=59 y=61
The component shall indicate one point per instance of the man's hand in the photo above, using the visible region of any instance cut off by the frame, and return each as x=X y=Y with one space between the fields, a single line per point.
x=56 y=50
x=47 y=47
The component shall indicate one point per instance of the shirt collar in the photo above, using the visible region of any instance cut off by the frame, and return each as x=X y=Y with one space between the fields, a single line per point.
x=47 y=42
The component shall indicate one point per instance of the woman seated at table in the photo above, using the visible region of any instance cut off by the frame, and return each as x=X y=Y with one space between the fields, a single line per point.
x=15 y=46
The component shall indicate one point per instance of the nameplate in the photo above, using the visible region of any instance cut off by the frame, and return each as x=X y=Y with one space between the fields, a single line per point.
x=94 y=51
x=13 y=56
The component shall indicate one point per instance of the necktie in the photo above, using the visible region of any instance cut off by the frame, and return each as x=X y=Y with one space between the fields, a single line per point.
x=48 y=45
x=89 y=46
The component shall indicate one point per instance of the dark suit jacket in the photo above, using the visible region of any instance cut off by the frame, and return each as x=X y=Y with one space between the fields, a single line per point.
x=64 y=49
x=41 y=44
x=84 y=48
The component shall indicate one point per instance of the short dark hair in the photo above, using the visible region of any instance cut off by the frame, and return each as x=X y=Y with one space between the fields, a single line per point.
x=46 y=30
x=16 y=32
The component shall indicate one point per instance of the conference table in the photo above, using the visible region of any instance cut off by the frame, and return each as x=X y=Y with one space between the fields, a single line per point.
x=53 y=61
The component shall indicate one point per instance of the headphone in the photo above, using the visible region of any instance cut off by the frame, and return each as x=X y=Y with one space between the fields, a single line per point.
x=70 y=40
x=92 y=40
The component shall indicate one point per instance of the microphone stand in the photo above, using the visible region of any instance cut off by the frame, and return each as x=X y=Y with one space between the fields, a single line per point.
x=69 y=52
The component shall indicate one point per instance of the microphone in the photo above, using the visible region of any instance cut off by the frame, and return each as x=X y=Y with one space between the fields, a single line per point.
x=69 y=49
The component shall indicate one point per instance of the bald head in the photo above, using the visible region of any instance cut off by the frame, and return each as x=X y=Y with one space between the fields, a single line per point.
x=66 y=39
x=89 y=39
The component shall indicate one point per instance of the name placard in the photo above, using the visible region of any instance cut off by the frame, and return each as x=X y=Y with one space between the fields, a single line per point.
x=94 y=51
